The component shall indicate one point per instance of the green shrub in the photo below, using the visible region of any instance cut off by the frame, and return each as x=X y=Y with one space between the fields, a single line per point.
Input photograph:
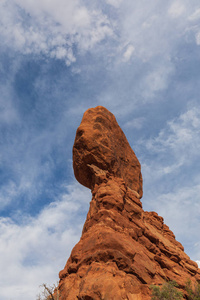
x=193 y=294
x=167 y=291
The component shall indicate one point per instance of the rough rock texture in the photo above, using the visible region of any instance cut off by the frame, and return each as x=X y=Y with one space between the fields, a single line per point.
x=101 y=146
x=122 y=249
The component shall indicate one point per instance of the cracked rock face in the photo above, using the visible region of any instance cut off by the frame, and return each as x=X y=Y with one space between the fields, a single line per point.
x=122 y=250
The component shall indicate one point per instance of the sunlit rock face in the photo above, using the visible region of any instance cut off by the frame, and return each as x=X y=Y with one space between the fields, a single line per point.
x=122 y=250
x=101 y=143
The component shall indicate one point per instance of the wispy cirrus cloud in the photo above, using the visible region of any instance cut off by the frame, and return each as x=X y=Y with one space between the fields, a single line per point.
x=171 y=177
x=180 y=137
x=173 y=151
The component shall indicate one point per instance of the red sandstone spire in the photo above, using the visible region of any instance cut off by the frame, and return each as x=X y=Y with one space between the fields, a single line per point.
x=122 y=249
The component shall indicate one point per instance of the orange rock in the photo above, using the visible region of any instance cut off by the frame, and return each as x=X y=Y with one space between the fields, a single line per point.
x=101 y=148
x=123 y=250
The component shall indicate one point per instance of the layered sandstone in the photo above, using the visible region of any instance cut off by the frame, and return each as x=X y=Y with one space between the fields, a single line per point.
x=122 y=250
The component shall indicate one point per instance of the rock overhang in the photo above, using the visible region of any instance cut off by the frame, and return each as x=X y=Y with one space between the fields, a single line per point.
x=100 y=142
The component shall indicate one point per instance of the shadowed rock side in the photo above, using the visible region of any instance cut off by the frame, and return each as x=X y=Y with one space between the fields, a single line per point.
x=122 y=249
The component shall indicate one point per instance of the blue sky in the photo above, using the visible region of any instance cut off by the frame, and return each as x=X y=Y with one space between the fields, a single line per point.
x=139 y=59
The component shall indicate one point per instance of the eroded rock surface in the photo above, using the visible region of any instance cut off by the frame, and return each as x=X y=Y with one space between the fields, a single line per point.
x=101 y=146
x=122 y=249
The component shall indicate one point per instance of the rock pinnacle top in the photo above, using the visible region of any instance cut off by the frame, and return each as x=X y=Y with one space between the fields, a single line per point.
x=101 y=146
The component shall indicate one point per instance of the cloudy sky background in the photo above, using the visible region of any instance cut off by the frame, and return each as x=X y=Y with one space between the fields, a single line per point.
x=139 y=59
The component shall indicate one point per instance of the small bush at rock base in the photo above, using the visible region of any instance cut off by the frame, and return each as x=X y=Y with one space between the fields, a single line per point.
x=167 y=291
x=193 y=293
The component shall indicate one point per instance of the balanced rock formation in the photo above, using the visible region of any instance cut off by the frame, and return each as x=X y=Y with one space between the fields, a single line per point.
x=122 y=250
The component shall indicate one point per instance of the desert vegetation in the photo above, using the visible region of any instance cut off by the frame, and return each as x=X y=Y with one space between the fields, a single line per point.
x=48 y=293
x=193 y=293
x=169 y=291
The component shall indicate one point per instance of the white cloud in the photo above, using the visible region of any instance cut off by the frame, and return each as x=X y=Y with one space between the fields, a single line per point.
x=176 y=9
x=71 y=15
x=176 y=208
x=156 y=29
x=135 y=123
x=52 y=28
x=26 y=157
x=171 y=179
x=7 y=193
x=157 y=79
x=194 y=21
x=65 y=29
x=149 y=40
x=181 y=136
x=34 y=251
x=195 y=15
x=115 y=3
x=198 y=38
x=146 y=28
x=180 y=210
x=128 y=53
